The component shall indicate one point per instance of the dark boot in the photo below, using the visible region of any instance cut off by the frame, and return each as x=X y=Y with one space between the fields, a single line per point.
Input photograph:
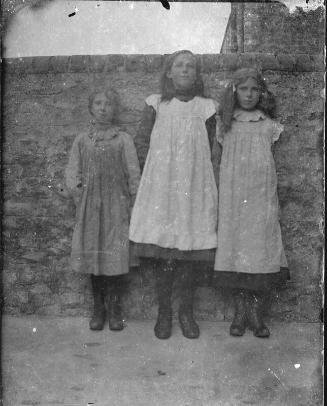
x=164 y=283
x=98 y=317
x=239 y=322
x=186 y=320
x=116 y=322
x=254 y=308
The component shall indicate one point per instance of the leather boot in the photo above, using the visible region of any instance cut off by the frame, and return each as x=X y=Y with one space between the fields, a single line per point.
x=164 y=284
x=185 y=315
x=239 y=322
x=114 y=307
x=98 y=318
x=254 y=307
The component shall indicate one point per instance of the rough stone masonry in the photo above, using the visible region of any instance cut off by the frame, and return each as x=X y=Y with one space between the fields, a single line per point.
x=45 y=107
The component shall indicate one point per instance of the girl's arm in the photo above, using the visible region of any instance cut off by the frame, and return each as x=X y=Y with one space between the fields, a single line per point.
x=73 y=172
x=131 y=164
x=143 y=135
x=215 y=147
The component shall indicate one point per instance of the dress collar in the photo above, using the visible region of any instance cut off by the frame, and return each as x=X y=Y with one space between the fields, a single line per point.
x=245 y=116
x=99 y=135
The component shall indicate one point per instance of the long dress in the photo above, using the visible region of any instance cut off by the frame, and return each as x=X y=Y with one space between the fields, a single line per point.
x=176 y=204
x=249 y=234
x=103 y=176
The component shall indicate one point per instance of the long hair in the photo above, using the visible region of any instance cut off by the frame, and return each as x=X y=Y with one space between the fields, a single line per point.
x=266 y=103
x=167 y=87
x=111 y=95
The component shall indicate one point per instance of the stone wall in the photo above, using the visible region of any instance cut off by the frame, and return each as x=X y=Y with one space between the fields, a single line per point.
x=269 y=27
x=45 y=107
x=273 y=28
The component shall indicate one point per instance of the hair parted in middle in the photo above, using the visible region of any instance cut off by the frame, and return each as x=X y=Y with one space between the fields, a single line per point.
x=167 y=87
x=111 y=95
x=267 y=101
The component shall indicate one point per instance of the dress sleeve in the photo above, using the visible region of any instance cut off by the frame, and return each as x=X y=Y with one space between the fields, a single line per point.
x=131 y=164
x=214 y=146
x=143 y=134
x=276 y=129
x=219 y=129
x=153 y=101
x=211 y=107
x=73 y=172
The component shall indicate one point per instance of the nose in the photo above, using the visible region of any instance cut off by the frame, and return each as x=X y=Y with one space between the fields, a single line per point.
x=185 y=69
x=249 y=94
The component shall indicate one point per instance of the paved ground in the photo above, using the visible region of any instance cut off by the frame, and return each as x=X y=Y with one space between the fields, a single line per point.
x=60 y=362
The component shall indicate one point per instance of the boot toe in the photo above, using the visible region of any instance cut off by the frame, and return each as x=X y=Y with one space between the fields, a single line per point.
x=189 y=327
x=262 y=332
x=116 y=324
x=162 y=329
x=97 y=323
x=236 y=331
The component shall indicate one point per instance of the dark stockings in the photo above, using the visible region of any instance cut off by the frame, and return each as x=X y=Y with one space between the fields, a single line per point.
x=239 y=322
x=164 y=284
x=117 y=286
x=186 y=320
x=254 y=310
x=248 y=312
x=101 y=285
x=99 y=291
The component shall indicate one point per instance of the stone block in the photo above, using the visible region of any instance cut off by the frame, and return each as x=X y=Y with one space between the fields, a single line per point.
x=229 y=62
x=41 y=64
x=211 y=63
x=318 y=62
x=248 y=60
x=304 y=63
x=114 y=63
x=268 y=62
x=59 y=64
x=78 y=63
x=135 y=63
x=286 y=62
x=153 y=63
x=97 y=63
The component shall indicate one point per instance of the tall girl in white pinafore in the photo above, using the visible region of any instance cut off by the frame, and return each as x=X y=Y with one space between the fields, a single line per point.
x=175 y=213
x=250 y=256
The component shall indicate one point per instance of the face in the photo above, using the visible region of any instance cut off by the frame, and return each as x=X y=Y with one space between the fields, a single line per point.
x=102 y=109
x=248 y=94
x=183 y=71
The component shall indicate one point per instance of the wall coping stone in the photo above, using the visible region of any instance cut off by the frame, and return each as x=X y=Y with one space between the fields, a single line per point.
x=154 y=63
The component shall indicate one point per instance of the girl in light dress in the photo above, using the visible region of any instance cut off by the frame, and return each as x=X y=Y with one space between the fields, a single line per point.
x=250 y=256
x=174 y=218
x=103 y=175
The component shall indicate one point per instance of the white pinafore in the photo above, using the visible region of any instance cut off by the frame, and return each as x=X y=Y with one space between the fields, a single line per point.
x=177 y=200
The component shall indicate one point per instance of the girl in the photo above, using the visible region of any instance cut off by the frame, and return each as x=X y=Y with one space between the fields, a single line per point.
x=175 y=213
x=102 y=176
x=250 y=257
